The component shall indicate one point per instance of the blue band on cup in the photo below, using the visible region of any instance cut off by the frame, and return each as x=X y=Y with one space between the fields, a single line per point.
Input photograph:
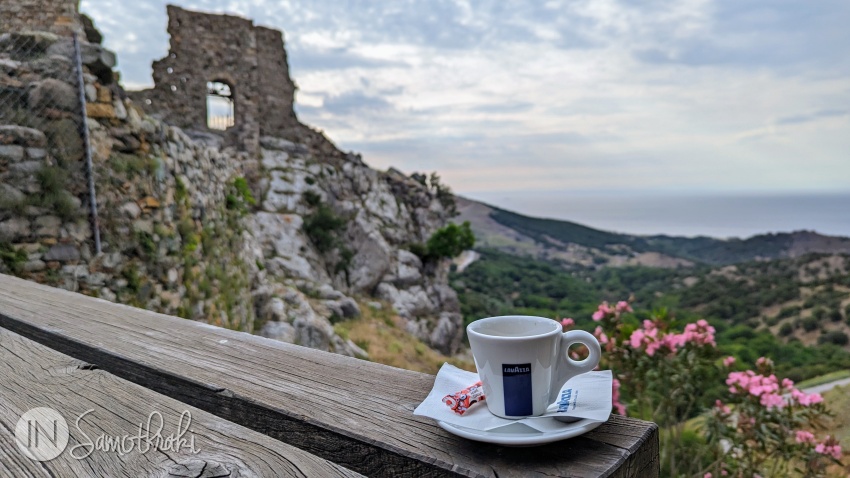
x=516 y=382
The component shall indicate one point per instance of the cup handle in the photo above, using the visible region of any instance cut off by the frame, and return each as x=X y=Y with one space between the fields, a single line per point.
x=567 y=368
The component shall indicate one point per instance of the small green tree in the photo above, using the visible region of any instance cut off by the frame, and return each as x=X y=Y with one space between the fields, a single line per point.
x=450 y=241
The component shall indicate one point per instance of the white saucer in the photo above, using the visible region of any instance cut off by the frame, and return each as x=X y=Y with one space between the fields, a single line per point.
x=518 y=434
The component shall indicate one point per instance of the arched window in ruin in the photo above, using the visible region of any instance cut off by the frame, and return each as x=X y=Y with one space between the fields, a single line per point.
x=219 y=105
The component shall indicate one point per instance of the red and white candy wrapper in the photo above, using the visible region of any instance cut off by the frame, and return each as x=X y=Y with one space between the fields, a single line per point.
x=461 y=401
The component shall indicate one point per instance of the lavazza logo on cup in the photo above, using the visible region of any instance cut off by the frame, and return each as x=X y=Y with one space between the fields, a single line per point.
x=516 y=380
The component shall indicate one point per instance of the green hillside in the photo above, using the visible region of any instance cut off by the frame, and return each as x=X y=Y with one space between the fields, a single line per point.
x=543 y=230
x=706 y=250
x=796 y=311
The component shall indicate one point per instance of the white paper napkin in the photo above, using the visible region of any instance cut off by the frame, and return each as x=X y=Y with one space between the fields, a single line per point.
x=589 y=397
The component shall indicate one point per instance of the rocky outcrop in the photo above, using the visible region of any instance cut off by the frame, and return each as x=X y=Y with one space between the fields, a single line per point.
x=379 y=215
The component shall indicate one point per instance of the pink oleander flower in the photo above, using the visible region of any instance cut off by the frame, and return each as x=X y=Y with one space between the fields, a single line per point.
x=648 y=337
x=600 y=336
x=764 y=361
x=772 y=400
x=728 y=361
x=806 y=399
x=707 y=475
x=700 y=333
x=766 y=388
x=674 y=341
x=603 y=310
x=636 y=339
x=568 y=322
x=803 y=436
x=623 y=306
x=723 y=408
x=787 y=384
x=615 y=398
x=829 y=447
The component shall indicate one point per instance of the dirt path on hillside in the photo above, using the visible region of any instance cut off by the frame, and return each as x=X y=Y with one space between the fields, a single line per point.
x=827 y=386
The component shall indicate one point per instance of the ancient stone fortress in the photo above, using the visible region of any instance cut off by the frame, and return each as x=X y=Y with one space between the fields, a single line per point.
x=206 y=221
x=225 y=49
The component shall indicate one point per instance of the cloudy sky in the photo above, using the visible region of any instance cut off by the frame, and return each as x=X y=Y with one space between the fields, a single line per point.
x=701 y=96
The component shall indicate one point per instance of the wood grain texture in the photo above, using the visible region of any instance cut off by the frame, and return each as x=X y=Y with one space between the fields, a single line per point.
x=33 y=375
x=352 y=412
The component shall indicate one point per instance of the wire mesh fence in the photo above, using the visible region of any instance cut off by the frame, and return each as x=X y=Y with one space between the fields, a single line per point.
x=43 y=137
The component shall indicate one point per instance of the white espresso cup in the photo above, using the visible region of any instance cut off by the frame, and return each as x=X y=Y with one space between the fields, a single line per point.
x=523 y=362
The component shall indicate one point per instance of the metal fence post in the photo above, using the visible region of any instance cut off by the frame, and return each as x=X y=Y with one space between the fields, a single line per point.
x=84 y=130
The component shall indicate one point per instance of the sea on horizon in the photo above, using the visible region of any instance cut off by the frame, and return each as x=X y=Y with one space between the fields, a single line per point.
x=679 y=214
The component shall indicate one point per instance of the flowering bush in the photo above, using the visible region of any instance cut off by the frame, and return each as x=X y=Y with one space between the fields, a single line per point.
x=760 y=427
x=769 y=432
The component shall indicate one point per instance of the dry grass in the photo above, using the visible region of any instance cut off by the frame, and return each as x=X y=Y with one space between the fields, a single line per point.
x=381 y=333
x=838 y=402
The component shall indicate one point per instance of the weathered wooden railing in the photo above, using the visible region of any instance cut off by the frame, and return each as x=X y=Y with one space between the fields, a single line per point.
x=258 y=407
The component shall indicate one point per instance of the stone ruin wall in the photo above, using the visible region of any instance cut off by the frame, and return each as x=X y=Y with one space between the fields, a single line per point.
x=251 y=60
x=56 y=16
x=276 y=89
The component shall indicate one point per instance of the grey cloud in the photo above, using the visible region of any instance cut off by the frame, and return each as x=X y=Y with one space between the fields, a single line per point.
x=807 y=118
x=779 y=34
x=305 y=59
x=515 y=107
x=355 y=102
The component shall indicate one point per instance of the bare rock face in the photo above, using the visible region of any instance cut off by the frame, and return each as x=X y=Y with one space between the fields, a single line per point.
x=317 y=209
x=283 y=331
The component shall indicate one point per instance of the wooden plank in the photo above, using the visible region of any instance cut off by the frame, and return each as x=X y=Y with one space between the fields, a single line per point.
x=33 y=375
x=352 y=412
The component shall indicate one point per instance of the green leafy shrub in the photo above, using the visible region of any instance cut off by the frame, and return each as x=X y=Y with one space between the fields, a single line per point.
x=131 y=274
x=450 y=241
x=240 y=197
x=54 y=194
x=322 y=227
x=12 y=258
x=180 y=191
x=132 y=165
x=241 y=185
x=190 y=238
x=146 y=242
x=789 y=311
x=444 y=194
x=345 y=257
x=810 y=323
x=311 y=198
x=834 y=337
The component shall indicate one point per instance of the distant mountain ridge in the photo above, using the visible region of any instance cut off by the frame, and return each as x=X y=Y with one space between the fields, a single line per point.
x=580 y=245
